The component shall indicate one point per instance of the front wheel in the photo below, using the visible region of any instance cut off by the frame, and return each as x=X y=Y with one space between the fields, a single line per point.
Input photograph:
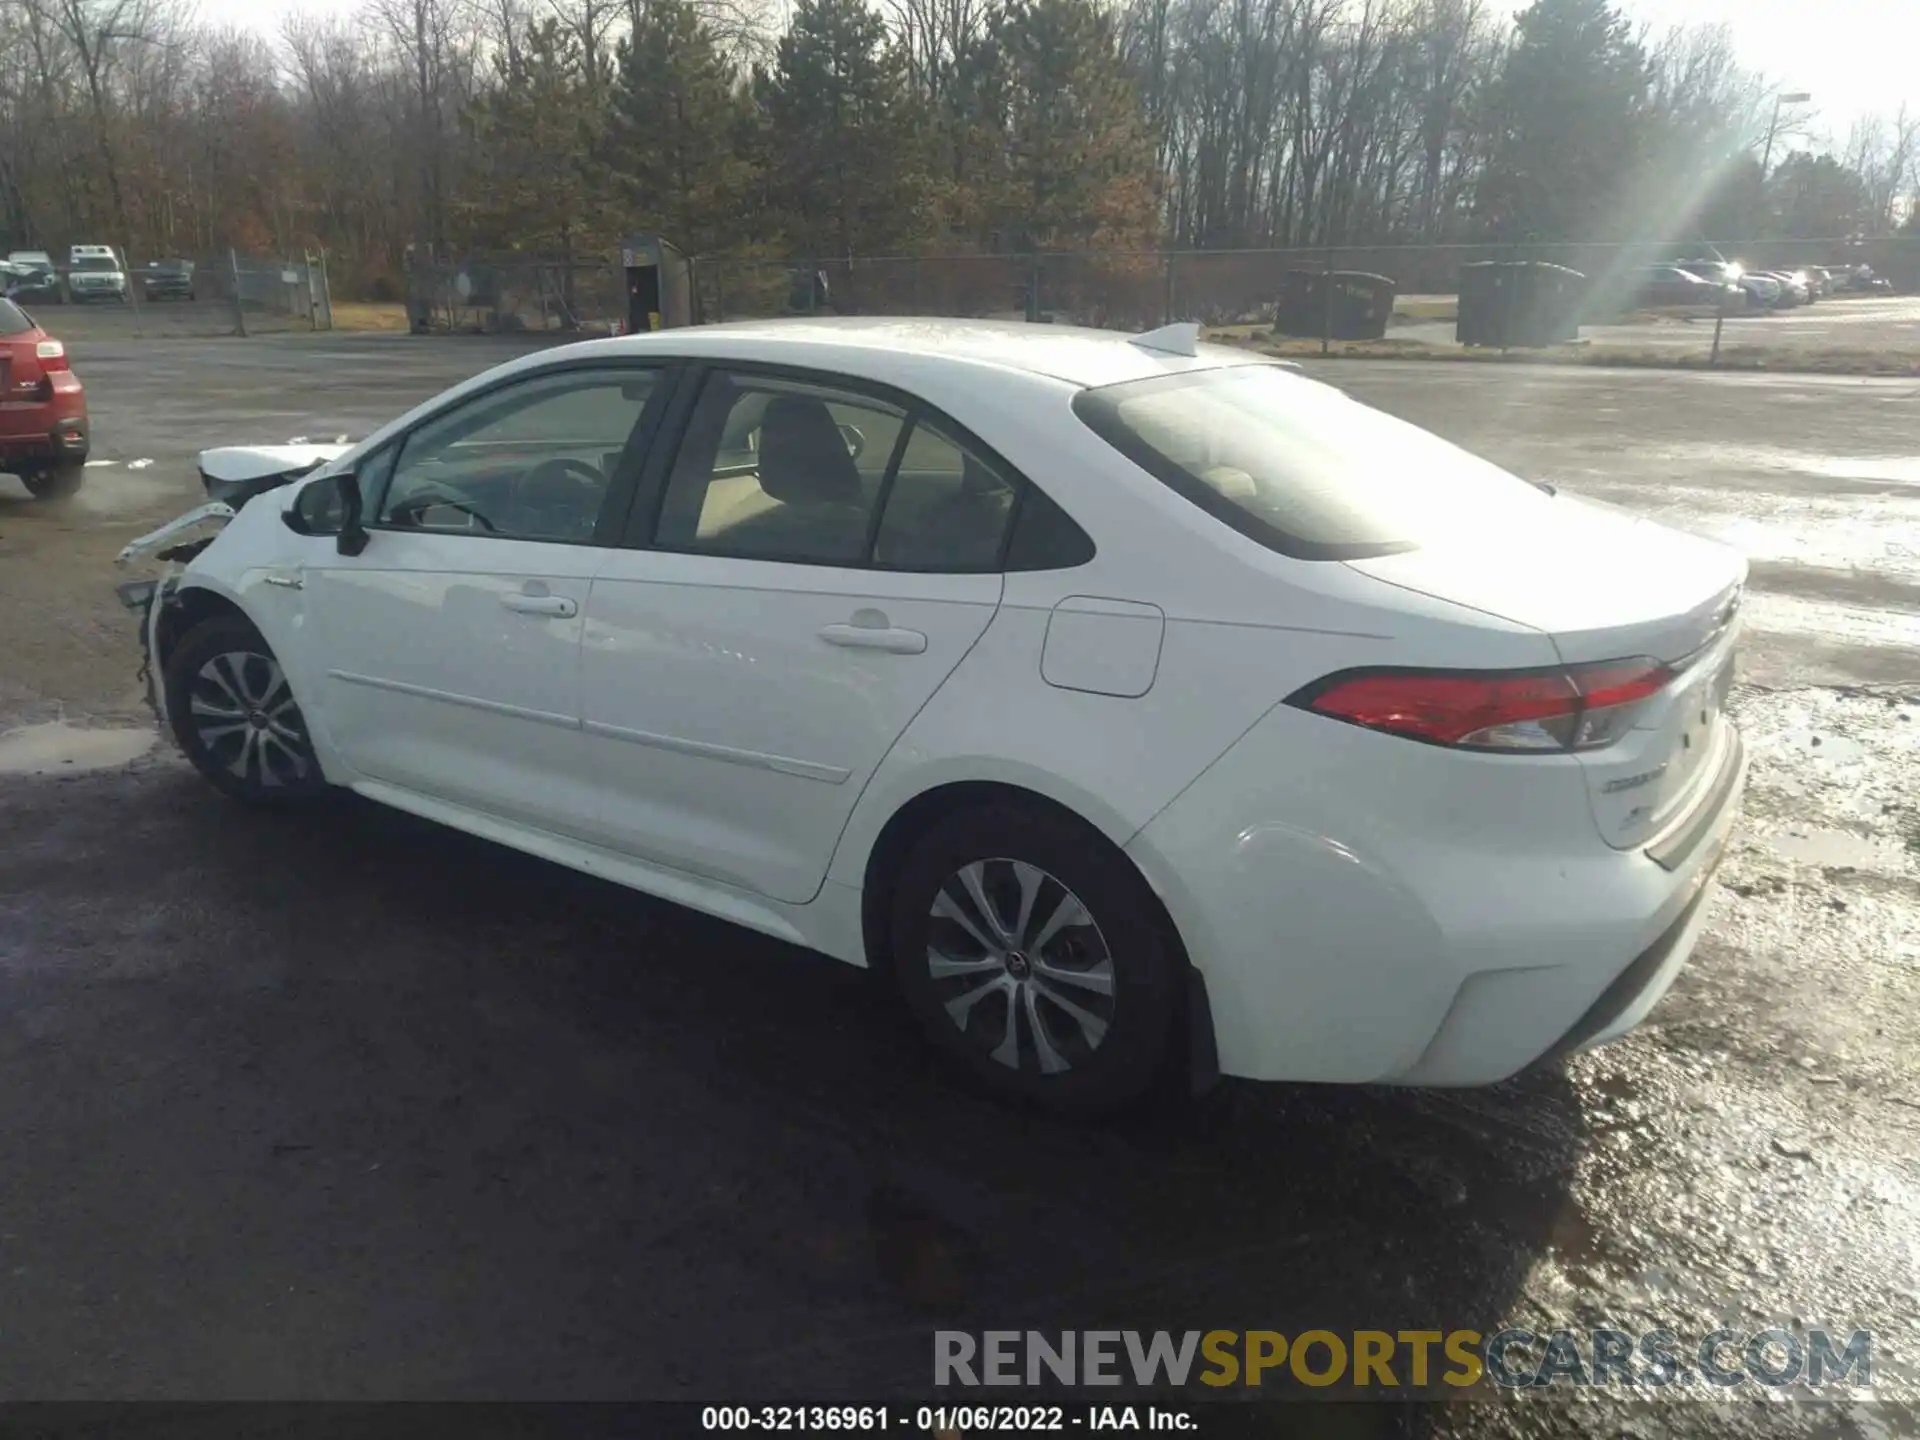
x=57 y=481
x=1032 y=952
x=235 y=717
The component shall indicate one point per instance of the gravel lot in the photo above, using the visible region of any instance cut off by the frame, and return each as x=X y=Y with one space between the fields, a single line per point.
x=350 y=1107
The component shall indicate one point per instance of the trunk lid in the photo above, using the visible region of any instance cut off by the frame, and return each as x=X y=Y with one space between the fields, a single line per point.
x=1607 y=585
x=20 y=368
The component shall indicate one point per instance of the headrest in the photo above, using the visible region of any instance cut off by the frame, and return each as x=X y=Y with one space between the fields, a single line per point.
x=803 y=455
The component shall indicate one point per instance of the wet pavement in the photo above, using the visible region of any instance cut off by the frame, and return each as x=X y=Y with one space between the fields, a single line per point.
x=342 y=1105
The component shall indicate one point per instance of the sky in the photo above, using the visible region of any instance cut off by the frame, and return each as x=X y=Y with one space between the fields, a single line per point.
x=1853 y=56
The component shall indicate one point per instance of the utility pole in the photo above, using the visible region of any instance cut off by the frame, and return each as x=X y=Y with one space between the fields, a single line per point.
x=1798 y=97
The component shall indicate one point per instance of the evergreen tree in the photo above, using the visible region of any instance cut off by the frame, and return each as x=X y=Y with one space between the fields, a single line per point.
x=1568 y=108
x=532 y=132
x=675 y=145
x=1079 y=156
x=843 y=144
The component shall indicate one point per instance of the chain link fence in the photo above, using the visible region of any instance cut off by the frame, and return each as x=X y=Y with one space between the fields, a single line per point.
x=1605 y=299
x=1395 y=300
x=135 y=294
x=486 y=297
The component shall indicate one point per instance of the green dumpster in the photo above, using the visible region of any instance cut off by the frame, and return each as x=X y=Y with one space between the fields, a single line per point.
x=1361 y=305
x=1519 y=304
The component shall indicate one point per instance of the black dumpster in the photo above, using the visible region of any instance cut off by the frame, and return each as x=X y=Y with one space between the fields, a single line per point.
x=1361 y=305
x=1519 y=304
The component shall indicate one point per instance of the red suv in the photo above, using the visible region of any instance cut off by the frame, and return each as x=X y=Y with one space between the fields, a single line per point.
x=43 y=409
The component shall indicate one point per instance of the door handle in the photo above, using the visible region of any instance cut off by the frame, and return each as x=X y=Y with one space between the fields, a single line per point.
x=875 y=637
x=286 y=582
x=558 y=605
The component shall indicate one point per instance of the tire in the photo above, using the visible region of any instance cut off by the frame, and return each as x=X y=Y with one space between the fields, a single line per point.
x=234 y=715
x=1082 y=1045
x=57 y=481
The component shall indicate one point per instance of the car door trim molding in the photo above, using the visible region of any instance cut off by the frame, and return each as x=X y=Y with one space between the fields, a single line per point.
x=470 y=702
x=752 y=759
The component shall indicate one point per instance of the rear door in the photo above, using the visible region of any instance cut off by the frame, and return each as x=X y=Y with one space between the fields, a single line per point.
x=823 y=557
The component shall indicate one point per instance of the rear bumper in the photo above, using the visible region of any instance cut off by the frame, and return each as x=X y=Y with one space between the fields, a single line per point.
x=1454 y=943
x=55 y=430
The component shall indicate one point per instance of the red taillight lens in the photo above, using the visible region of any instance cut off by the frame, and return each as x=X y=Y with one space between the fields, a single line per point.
x=1579 y=708
x=51 y=354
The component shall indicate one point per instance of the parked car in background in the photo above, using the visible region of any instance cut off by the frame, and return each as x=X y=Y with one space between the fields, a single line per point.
x=1667 y=285
x=95 y=273
x=1342 y=754
x=1763 y=293
x=1819 y=279
x=168 y=280
x=1862 y=281
x=1793 y=292
x=33 y=280
x=1755 y=293
x=43 y=409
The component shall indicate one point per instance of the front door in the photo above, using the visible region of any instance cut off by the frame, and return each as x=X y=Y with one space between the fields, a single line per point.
x=447 y=653
x=821 y=562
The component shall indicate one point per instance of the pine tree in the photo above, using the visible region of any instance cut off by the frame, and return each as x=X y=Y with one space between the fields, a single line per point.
x=1569 y=107
x=674 y=148
x=532 y=189
x=1078 y=172
x=845 y=152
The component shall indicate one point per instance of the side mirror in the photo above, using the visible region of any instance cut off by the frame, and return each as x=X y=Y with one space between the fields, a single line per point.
x=330 y=506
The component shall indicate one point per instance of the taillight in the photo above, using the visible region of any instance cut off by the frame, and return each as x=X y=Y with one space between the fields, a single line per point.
x=1582 y=707
x=52 y=355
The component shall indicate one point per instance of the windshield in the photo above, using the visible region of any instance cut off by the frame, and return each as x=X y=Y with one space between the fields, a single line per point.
x=13 y=320
x=1297 y=465
x=95 y=262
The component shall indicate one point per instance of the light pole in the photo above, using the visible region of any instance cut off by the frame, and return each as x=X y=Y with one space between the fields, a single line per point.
x=1798 y=97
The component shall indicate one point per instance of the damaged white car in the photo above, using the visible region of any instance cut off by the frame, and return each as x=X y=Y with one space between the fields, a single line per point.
x=1133 y=703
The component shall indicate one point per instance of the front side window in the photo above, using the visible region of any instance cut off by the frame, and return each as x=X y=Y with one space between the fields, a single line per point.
x=1297 y=465
x=533 y=461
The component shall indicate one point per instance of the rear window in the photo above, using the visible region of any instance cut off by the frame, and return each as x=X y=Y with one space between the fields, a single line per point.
x=1298 y=466
x=96 y=262
x=13 y=320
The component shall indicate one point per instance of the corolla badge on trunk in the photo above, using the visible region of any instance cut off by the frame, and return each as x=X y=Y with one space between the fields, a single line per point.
x=1633 y=782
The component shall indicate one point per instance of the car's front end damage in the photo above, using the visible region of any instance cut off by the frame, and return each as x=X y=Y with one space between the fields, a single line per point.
x=231 y=476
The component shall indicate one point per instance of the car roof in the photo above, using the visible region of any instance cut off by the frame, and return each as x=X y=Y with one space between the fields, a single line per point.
x=861 y=343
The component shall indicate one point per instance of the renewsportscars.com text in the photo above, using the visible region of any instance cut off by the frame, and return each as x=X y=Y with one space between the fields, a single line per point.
x=1511 y=1358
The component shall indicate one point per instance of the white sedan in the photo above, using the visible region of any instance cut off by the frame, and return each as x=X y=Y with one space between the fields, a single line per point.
x=1132 y=703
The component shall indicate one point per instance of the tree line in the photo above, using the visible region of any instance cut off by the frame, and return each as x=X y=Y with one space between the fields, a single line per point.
x=872 y=127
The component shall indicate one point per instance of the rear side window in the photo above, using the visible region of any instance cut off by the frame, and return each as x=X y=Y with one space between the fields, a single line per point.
x=1297 y=465
x=13 y=320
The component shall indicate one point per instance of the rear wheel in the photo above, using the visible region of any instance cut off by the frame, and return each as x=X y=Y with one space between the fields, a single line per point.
x=1031 y=951
x=234 y=715
x=55 y=481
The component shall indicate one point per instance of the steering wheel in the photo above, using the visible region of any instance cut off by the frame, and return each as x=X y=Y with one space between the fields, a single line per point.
x=434 y=496
x=585 y=487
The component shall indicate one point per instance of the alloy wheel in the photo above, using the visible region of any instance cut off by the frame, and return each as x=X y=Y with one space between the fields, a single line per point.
x=244 y=715
x=1020 y=966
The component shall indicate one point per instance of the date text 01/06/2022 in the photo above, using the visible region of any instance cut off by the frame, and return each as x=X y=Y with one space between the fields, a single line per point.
x=941 y=1419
